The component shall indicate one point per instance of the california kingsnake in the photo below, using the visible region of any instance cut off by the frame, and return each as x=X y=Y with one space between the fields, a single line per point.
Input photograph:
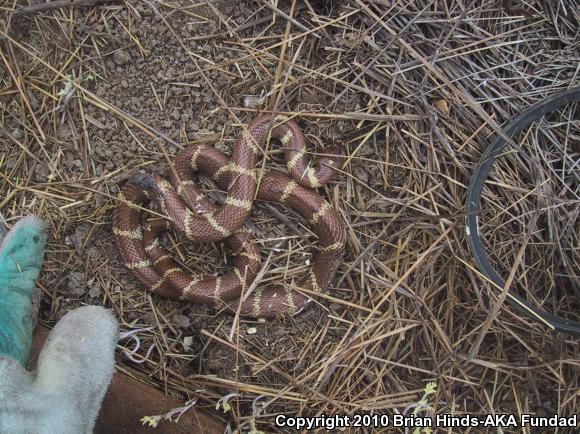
x=190 y=213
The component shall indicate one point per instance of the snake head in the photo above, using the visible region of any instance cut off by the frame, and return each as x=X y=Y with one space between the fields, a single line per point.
x=145 y=181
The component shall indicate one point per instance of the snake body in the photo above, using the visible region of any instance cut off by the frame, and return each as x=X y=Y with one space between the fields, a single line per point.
x=200 y=220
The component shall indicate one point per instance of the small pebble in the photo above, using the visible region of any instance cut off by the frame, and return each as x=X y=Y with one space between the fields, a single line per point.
x=253 y=101
x=188 y=341
x=94 y=291
x=181 y=321
x=121 y=57
x=77 y=282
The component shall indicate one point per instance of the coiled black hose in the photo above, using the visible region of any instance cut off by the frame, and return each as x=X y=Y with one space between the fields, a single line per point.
x=473 y=209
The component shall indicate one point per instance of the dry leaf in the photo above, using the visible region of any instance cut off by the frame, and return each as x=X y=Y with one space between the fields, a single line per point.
x=441 y=105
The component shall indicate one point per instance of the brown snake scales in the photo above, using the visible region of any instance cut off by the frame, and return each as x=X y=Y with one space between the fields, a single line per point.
x=190 y=213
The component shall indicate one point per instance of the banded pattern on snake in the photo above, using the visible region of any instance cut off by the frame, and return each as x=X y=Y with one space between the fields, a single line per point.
x=190 y=213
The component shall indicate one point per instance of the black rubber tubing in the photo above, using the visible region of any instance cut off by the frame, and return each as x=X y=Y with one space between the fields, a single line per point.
x=473 y=210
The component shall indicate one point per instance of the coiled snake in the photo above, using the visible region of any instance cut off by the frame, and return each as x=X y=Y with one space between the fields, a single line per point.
x=190 y=213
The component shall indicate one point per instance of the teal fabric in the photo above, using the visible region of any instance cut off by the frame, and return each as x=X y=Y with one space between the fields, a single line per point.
x=21 y=255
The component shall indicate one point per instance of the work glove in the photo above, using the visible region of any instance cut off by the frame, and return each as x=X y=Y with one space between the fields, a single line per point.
x=74 y=367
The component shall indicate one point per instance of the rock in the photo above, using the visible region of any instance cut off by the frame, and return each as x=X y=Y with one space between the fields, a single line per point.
x=361 y=174
x=121 y=57
x=188 y=342
x=81 y=232
x=176 y=90
x=94 y=291
x=41 y=173
x=181 y=321
x=77 y=282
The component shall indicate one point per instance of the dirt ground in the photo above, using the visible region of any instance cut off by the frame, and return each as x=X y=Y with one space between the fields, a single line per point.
x=414 y=91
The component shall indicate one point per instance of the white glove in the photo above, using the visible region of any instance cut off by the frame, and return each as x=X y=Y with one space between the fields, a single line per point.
x=75 y=366
x=74 y=370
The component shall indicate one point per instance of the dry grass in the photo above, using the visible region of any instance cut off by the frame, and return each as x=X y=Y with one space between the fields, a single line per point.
x=415 y=90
